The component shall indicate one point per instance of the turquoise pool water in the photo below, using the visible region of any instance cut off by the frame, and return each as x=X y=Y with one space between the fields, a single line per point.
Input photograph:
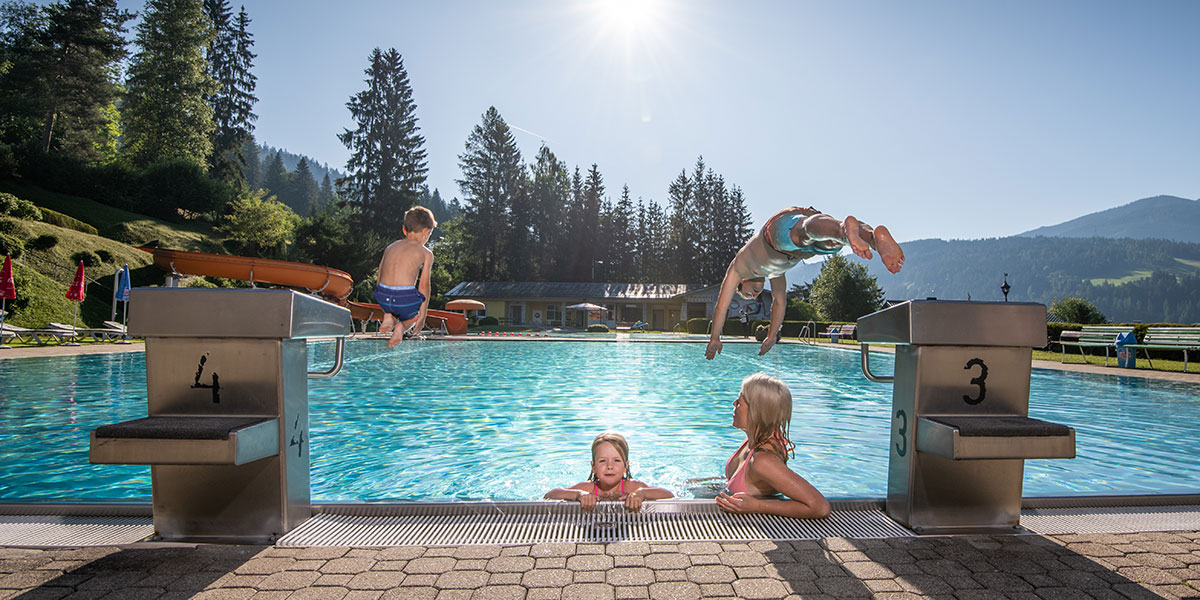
x=442 y=420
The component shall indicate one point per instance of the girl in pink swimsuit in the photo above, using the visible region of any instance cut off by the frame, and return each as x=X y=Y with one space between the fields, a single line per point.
x=757 y=473
x=610 y=478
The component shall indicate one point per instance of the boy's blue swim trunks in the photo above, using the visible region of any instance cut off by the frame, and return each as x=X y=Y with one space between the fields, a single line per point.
x=401 y=301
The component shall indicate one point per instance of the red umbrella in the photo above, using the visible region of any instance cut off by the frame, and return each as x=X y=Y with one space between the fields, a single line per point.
x=8 y=290
x=75 y=294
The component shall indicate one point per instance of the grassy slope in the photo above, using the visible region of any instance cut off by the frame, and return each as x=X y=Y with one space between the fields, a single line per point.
x=130 y=228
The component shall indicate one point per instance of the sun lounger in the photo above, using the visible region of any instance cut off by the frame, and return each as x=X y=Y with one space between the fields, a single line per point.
x=104 y=334
x=40 y=337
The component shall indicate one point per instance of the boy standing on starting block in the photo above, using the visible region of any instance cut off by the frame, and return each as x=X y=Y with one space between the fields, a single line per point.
x=404 y=261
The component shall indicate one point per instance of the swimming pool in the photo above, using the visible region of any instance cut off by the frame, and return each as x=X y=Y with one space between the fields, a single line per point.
x=508 y=420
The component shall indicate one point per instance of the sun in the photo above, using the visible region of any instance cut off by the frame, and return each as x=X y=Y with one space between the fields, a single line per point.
x=627 y=16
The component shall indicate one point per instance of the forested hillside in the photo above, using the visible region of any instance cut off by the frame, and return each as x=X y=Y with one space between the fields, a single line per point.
x=1164 y=217
x=1128 y=280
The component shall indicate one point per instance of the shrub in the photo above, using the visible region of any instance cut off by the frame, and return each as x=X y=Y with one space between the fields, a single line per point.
x=11 y=245
x=173 y=185
x=484 y=321
x=105 y=255
x=87 y=257
x=698 y=325
x=54 y=217
x=760 y=332
x=45 y=241
x=8 y=226
x=597 y=328
x=21 y=209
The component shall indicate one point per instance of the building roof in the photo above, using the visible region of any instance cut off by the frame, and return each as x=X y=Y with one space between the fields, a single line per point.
x=572 y=290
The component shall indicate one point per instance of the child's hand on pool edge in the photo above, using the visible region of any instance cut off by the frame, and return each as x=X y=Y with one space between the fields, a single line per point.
x=587 y=501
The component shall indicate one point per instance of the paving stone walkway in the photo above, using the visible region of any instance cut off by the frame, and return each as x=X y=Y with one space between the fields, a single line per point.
x=1103 y=566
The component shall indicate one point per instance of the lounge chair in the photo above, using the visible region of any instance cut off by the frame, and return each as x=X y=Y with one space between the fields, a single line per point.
x=40 y=337
x=98 y=334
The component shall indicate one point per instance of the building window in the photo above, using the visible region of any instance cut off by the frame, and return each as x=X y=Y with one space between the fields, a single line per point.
x=553 y=313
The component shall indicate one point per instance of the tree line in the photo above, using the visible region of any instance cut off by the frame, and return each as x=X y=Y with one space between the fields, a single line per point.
x=172 y=136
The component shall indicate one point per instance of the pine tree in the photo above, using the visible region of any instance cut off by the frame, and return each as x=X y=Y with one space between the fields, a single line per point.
x=165 y=113
x=550 y=192
x=325 y=195
x=386 y=169
x=493 y=176
x=59 y=75
x=590 y=234
x=275 y=179
x=620 y=239
x=577 y=267
x=230 y=62
x=304 y=189
x=252 y=172
x=681 y=232
x=657 y=268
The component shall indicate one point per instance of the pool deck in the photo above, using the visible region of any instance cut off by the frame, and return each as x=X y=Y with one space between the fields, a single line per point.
x=963 y=567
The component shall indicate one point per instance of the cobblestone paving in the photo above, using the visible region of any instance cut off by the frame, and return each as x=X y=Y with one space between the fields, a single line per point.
x=1141 y=565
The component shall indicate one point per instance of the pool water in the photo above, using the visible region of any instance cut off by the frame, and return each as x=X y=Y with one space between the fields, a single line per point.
x=509 y=420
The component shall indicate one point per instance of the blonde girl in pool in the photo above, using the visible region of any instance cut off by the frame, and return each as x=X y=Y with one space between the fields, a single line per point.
x=610 y=478
x=757 y=473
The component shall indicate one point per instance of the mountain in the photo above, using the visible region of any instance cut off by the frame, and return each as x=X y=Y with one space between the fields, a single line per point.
x=1165 y=217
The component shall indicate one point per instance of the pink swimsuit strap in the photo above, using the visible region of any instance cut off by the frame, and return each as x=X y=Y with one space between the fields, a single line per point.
x=737 y=481
x=596 y=488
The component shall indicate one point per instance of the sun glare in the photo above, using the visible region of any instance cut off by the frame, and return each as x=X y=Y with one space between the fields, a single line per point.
x=627 y=16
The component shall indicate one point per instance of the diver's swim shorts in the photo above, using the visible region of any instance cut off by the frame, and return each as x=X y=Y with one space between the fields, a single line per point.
x=401 y=301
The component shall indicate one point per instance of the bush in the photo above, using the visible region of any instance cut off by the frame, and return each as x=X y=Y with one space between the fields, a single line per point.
x=597 y=328
x=698 y=325
x=8 y=226
x=45 y=241
x=175 y=188
x=87 y=257
x=484 y=321
x=760 y=332
x=11 y=245
x=54 y=217
x=105 y=255
x=17 y=208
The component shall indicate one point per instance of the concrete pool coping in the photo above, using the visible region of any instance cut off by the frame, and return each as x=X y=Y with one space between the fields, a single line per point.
x=1144 y=564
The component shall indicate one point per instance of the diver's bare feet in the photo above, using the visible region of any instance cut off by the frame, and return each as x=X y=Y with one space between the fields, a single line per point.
x=388 y=324
x=397 y=337
x=889 y=251
x=857 y=243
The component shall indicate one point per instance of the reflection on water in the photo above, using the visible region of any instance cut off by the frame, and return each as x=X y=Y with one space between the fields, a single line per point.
x=446 y=420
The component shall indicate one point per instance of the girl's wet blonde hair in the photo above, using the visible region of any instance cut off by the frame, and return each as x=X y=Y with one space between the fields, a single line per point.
x=768 y=413
x=618 y=442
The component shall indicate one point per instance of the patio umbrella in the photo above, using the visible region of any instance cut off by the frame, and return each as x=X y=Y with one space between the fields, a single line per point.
x=8 y=289
x=465 y=304
x=588 y=306
x=75 y=294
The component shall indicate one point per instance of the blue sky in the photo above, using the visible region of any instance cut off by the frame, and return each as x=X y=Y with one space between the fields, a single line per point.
x=948 y=119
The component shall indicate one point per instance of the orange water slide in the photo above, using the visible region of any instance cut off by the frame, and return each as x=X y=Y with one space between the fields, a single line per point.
x=456 y=323
x=330 y=283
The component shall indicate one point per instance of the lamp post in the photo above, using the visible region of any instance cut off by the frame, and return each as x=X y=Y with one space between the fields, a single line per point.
x=1005 y=287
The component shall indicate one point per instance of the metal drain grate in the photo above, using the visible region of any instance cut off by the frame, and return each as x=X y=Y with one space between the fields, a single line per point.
x=1116 y=519
x=58 y=530
x=531 y=523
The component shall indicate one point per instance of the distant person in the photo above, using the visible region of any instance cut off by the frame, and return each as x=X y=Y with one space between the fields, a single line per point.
x=403 y=262
x=791 y=236
x=610 y=478
x=757 y=473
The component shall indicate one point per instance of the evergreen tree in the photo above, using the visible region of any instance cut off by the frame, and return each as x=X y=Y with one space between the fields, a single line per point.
x=682 y=243
x=165 y=112
x=325 y=195
x=59 y=76
x=230 y=61
x=589 y=238
x=493 y=176
x=304 y=189
x=844 y=291
x=550 y=193
x=252 y=173
x=577 y=267
x=275 y=179
x=386 y=169
x=620 y=239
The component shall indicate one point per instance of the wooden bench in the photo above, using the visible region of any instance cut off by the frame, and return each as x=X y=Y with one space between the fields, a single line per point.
x=840 y=331
x=1092 y=336
x=1170 y=338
